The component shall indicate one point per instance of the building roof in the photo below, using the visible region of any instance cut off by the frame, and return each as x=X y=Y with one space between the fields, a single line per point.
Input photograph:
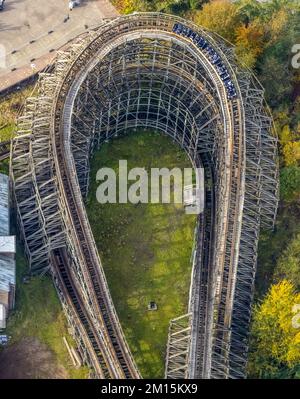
x=4 y=205
x=7 y=272
x=2 y=316
x=8 y=244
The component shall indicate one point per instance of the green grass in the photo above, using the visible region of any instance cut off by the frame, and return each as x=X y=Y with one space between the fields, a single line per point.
x=4 y=166
x=38 y=314
x=145 y=249
x=10 y=106
x=7 y=131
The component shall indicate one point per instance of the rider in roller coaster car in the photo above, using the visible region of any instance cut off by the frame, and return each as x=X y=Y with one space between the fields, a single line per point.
x=212 y=54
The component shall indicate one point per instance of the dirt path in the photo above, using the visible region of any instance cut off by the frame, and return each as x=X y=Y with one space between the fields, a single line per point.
x=30 y=359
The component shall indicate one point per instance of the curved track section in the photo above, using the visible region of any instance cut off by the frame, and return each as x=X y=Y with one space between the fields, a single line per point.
x=153 y=71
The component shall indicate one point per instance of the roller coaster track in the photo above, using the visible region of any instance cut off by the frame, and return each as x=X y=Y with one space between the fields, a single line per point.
x=161 y=72
x=117 y=360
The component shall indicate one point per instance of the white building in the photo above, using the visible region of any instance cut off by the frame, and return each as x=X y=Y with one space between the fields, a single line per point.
x=7 y=255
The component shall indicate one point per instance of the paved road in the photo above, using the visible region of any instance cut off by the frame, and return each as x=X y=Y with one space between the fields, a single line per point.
x=30 y=31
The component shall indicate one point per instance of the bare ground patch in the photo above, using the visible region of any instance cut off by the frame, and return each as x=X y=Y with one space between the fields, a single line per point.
x=30 y=359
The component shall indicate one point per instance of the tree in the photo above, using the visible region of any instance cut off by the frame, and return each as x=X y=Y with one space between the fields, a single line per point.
x=275 y=340
x=277 y=25
x=288 y=266
x=126 y=6
x=290 y=146
x=285 y=135
x=290 y=183
x=169 y=6
x=276 y=79
x=291 y=153
x=249 y=10
x=220 y=16
x=249 y=42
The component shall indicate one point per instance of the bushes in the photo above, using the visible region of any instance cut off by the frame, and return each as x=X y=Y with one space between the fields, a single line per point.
x=221 y=16
x=290 y=183
x=169 y=6
x=275 y=349
x=288 y=266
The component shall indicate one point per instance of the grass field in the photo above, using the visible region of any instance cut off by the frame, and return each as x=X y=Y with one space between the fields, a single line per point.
x=4 y=166
x=145 y=249
x=9 y=109
x=38 y=314
x=10 y=106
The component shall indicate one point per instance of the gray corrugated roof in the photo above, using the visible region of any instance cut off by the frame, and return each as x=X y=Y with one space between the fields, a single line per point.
x=8 y=244
x=4 y=205
x=7 y=272
x=7 y=263
x=2 y=316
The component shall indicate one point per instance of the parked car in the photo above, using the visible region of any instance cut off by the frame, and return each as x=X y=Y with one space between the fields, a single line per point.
x=3 y=339
x=73 y=3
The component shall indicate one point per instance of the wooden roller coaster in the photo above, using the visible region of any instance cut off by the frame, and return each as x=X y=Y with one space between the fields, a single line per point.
x=155 y=71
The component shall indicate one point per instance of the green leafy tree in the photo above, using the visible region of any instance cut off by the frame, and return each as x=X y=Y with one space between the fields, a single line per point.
x=276 y=79
x=291 y=153
x=221 y=16
x=178 y=6
x=290 y=183
x=288 y=266
x=249 y=10
x=275 y=342
x=249 y=42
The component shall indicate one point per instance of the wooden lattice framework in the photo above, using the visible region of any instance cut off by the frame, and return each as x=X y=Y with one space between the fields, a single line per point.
x=134 y=71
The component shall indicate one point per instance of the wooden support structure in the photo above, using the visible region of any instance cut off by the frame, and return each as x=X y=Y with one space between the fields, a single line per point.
x=178 y=347
x=135 y=71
